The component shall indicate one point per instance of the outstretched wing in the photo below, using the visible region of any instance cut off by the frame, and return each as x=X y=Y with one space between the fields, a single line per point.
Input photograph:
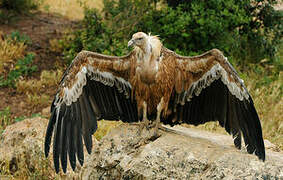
x=207 y=88
x=94 y=87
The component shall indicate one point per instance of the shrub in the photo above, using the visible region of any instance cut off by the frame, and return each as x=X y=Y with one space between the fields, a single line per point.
x=10 y=50
x=11 y=9
x=204 y=26
x=38 y=92
x=23 y=67
x=33 y=86
x=35 y=100
x=89 y=37
x=6 y=16
x=19 y=6
x=101 y=33
x=16 y=36
x=14 y=61
x=246 y=30
x=261 y=36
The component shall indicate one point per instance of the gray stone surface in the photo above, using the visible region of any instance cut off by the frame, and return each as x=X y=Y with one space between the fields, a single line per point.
x=21 y=151
x=21 y=145
x=181 y=154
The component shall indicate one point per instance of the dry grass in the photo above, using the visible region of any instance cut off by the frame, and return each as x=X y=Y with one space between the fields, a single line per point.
x=5 y=119
x=28 y=86
x=35 y=89
x=70 y=8
x=47 y=79
x=269 y=104
x=35 y=100
x=9 y=52
x=51 y=78
x=55 y=45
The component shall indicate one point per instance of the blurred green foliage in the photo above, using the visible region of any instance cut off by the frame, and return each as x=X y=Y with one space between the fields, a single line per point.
x=246 y=30
x=16 y=36
x=108 y=31
x=23 y=67
x=11 y=9
x=19 y=6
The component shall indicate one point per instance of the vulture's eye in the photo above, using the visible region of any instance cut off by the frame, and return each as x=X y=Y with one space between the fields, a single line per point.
x=140 y=38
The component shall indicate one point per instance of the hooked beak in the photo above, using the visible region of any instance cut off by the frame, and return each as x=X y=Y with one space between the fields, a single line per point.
x=131 y=43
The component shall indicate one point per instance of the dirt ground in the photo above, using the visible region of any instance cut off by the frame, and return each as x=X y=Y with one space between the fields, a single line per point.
x=41 y=28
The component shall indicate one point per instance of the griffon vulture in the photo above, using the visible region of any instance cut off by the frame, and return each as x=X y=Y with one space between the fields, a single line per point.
x=152 y=82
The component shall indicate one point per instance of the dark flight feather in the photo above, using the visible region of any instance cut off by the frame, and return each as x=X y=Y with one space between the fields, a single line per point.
x=49 y=132
x=57 y=144
x=216 y=103
x=80 y=150
x=72 y=135
x=79 y=121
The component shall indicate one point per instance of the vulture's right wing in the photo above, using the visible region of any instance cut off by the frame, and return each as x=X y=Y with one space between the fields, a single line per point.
x=94 y=87
x=208 y=88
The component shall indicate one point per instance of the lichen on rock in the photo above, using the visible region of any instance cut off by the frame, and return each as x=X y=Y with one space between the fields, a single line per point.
x=126 y=154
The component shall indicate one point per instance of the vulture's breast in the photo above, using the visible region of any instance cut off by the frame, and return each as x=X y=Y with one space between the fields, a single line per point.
x=147 y=76
x=147 y=73
x=153 y=83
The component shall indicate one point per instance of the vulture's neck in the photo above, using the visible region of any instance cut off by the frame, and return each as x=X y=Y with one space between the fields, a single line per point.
x=149 y=53
x=148 y=60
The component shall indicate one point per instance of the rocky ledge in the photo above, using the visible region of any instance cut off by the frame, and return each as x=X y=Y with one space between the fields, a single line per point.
x=124 y=153
x=179 y=153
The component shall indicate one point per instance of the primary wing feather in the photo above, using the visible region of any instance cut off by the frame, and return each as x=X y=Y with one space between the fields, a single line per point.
x=208 y=88
x=94 y=87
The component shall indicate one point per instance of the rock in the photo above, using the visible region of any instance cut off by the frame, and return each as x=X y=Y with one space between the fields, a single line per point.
x=22 y=142
x=179 y=153
x=21 y=152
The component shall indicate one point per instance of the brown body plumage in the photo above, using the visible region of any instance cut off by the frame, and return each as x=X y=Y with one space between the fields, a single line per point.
x=151 y=82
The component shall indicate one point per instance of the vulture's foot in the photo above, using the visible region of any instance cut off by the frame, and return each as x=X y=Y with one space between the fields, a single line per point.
x=157 y=125
x=143 y=124
x=145 y=121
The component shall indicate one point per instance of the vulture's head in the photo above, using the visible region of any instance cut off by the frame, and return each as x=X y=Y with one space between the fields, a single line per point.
x=146 y=43
x=139 y=39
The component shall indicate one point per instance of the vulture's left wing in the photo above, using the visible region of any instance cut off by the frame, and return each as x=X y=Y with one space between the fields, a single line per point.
x=94 y=87
x=207 y=88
